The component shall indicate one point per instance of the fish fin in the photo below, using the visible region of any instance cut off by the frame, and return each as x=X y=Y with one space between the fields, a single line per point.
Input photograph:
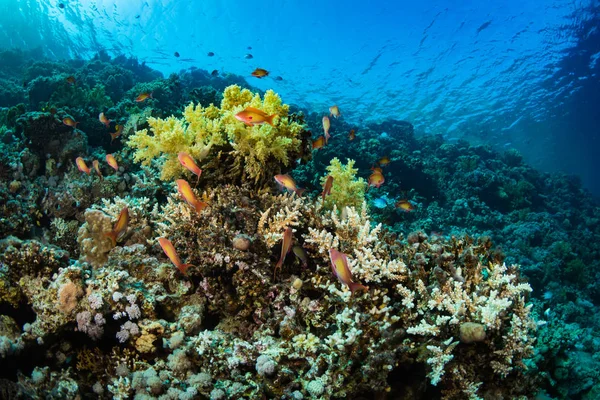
x=184 y=267
x=151 y=95
x=278 y=267
x=299 y=192
x=269 y=119
x=113 y=237
x=200 y=205
x=353 y=286
x=198 y=180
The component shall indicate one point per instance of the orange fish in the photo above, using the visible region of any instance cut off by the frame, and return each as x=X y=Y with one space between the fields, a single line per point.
x=285 y=248
x=70 y=122
x=326 y=126
x=185 y=190
x=335 y=111
x=384 y=161
x=102 y=118
x=319 y=143
x=260 y=73
x=120 y=227
x=169 y=250
x=405 y=205
x=82 y=166
x=112 y=161
x=287 y=182
x=351 y=135
x=253 y=116
x=327 y=187
x=114 y=135
x=187 y=161
x=143 y=97
x=377 y=169
x=376 y=179
x=70 y=80
x=339 y=266
x=97 y=168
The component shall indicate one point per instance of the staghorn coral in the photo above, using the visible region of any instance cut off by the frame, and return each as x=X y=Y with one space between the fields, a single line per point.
x=216 y=139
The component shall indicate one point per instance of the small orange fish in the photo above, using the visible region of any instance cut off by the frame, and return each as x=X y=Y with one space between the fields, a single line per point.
x=384 y=161
x=334 y=111
x=188 y=162
x=70 y=122
x=253 y=116
x=120 y=227
x=185 y=190
x=170 y=251
x=102 y=118
x=285 y=248
x=287 y=182
x=319 y=143
x=351 y=135
x=114 y=135
x=377 y=169
x=260 y=73
x=82 y=166
x=70 y=80
x=97 y=168
x=339 y=266
x=326 y=126
x=112 y=161
x=143 y=97
x=376 y=179
x=405 y=205
x=327 y=187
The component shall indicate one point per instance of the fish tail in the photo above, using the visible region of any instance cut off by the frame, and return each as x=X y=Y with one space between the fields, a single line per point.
x=200 y=205
x=278 y=266
x=113 y=237
x=198 y=180
x=269 y=119
x=299 y=192
x=151 y=95
x=184 y=267
x=353 y=286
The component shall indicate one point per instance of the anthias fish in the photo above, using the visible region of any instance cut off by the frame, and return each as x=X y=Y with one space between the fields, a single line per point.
x=144 y=96
x=253 y=116
x=68 y=121
x=287 y=182
x=405 y=205
x=327 y=187
x=114 y=135
x=82 y=166
x=318 y=143
x=351 y=135
x=102 y=118
x=112 y=161
x=96 y=165
x=71 y=80
x=384 y=161
x=170 y=251
x=120 y=227
x=185 y=190
x=334 y=111
x=260 y=73
x=376 y=179
x=339 y=266
x=188 y=162
x=286 y=243
x=326 y=126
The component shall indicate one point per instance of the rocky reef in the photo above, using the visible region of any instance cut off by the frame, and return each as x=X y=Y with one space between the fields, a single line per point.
x=477 y=285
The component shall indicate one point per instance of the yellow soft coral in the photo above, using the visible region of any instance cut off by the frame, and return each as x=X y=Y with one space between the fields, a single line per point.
x=347 y=190
x=253 y=152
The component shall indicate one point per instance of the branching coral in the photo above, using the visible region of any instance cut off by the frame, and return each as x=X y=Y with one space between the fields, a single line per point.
x=214 y=137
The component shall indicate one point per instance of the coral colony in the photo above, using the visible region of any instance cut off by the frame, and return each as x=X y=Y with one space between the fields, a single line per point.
x=193 y=238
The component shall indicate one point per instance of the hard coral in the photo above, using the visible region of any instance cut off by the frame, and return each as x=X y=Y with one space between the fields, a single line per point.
x=215 y=138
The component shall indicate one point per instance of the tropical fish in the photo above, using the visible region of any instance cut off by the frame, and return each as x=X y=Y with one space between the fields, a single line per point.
x=188 y=162
x=377 y=169
x=384 y=161
x=82 y=166
x=114 y=135
x=68 y=121
x=326 y=126
x=248 y=56
x=215 y=72
x=70 y=80
x=339 y=266
x=176 y=54
x=143 y=97
x=112 y=161
x=120 y=226
x=287 y=182
x=170 y=251
x=380 y=202
x=253 y=116
x=327 y=187
x=185 y=190
x=210 y=54
x=278 y=78
x=301 y=254
x=334 y=111
x=405 y=205
x=319 y=143
x=376 y=179
x=260 y=73
x=97 y=168
x=285 y=248
x=102 y=118
x=351 y=135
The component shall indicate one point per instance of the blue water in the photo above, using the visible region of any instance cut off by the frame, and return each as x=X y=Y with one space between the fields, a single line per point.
x=512 y=74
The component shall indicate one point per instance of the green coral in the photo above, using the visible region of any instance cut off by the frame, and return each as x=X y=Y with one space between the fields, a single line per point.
x=347 y=189
x=215 y=138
